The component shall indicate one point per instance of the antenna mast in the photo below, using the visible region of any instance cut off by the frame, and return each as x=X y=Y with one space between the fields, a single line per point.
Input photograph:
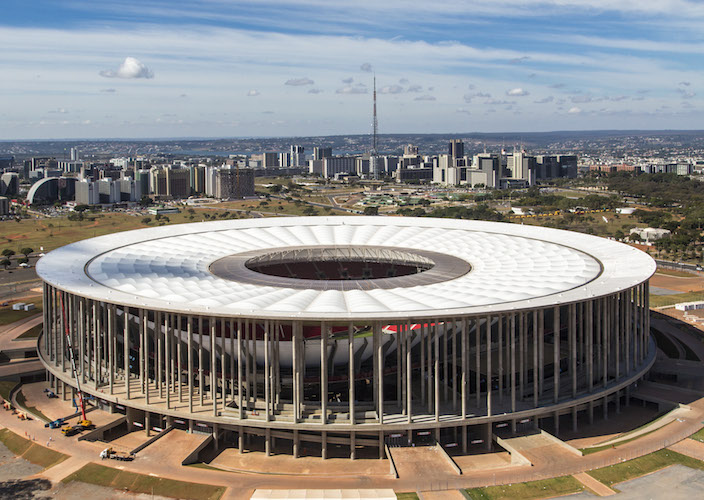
x=375 y=124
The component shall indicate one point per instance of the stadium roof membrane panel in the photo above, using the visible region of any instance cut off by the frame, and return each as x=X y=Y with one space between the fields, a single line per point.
x=510 y=267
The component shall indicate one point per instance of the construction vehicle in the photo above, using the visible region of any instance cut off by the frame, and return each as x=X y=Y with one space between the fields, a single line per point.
x=83 y=422
x=50 y=394
x=7 y=405
x=56 y=424
x=72 y=430
x=116 y=455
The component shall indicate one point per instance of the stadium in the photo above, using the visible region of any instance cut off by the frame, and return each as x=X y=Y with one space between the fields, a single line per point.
x=339 y=334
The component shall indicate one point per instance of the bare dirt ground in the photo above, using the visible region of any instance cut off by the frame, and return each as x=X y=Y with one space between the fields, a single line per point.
x=680 y=284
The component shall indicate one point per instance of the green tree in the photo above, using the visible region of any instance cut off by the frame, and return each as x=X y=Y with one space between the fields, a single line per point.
x=26 y=251
x=5 y=262
x=8 y=253
x=22 y=260
x=80 y=208
x=146 y=220
x=371 y=210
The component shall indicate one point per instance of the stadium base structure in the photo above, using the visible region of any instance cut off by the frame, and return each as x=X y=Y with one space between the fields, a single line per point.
x=323 y=333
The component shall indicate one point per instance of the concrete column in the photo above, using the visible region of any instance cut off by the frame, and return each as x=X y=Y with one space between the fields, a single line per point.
x=167 y=358
x=141 y=335
x=267 y=440
x=213 y=366
x=573 y=346
x=605 y=343
x=454 y=367
x=409 y=371
x=436 y=367
x=324 y=445
x=535 y=358
x=223 y=365
x=240 y=439
x=489 y=438
x=239 y=370
x=201 y=388
x=541 y=351
x=429 y=332
x=189 y=333
x=324 y=373
x=500 y=357
x=521 y=354
x=556 y=353
x=382 y=453
x=465 y=378
x=512 y=342
x=590 y=345
x=233 y=330
x=379 y=368
x=477 y=360
x=400 y=387
x=179 y=368
x=422 y=363
x=111 y=350
x=159 y=354
x=126 y=350
x=556 y=418
x=488 y=366
x=445 y=380
x=147 y=423
x=353 y=446
x=146 y=349
x=350 y=367
x=267 y=375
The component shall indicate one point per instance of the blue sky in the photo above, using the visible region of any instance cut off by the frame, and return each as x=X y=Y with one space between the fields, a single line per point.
x=221 y=68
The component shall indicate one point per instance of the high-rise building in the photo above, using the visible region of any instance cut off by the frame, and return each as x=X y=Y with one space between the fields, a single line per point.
x=456 y=148
x=234 y=183
x=339 y=165
x=320 y=153
x=298 y=156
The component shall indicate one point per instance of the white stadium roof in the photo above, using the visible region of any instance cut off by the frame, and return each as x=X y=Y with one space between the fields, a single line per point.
x=512 y=267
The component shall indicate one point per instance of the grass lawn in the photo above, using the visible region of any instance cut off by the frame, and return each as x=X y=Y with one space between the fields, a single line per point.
x=5 y=387
x=7 y=315
x=52 y=233
x=699 y=435
x=141 y=483
x=545 y=488
x=21 y=401
x=643 y=465
x=670 y=300
x=32 y=333
x=407 y=496
x=30 y=451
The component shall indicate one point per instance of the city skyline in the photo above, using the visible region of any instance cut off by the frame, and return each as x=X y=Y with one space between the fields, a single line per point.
x=160 y=69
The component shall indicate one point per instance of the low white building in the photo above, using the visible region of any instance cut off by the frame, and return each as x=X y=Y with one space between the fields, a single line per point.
x=650 y=234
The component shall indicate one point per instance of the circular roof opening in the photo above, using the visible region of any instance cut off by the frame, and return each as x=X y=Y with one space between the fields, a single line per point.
x=361 y=267
x=340 y=263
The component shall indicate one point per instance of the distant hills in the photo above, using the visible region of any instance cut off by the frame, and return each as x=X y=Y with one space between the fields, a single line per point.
x=592 y=141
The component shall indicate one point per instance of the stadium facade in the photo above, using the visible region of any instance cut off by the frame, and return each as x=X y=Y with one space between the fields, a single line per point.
x=336 y=334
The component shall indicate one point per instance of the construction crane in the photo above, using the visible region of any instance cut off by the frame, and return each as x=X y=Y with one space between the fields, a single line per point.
x=84 y=422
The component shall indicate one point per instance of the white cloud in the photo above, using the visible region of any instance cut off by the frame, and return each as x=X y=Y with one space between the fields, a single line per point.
x=425 y=97
x=517 y=92
x=403 y=81
x=463 y=110
x=352 y=89
x=130 y=68
x=575 y=110
x=366 y=67
x=315 y=91
x=108 y=91
x=545 y=100
x=391 y=89
x=298 y=82
x=347 y=80
x=253 y=93
x=415 y=88
x=686 y=94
